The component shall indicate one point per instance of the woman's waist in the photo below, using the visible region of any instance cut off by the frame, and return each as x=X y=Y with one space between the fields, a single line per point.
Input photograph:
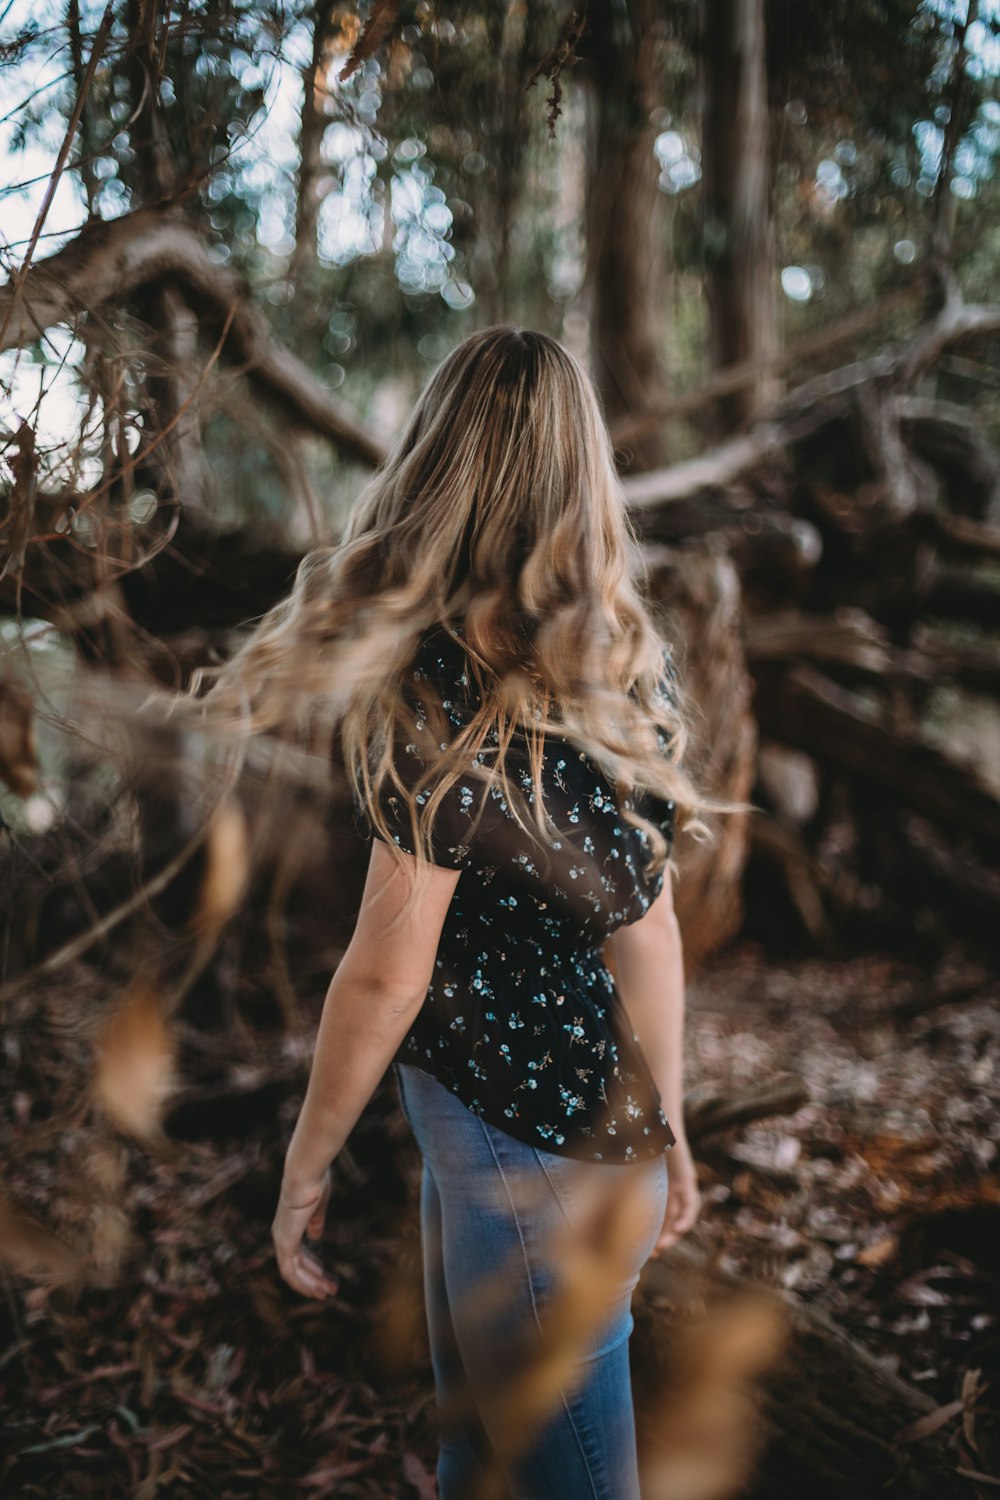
x=514 y=970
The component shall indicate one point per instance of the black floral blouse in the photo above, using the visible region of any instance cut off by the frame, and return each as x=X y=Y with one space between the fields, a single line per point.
x=522 y=1019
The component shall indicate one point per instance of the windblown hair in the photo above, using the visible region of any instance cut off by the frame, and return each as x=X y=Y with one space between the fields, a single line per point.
x=498 y=510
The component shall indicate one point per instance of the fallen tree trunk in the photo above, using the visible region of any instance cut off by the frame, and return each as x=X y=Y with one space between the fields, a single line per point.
x=829 y=1413
x=804 y=708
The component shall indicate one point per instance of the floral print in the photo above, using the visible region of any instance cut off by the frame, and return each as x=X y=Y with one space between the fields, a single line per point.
x=522 y=1019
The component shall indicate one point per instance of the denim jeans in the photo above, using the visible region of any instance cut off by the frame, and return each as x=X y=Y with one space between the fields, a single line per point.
x=503 y=1225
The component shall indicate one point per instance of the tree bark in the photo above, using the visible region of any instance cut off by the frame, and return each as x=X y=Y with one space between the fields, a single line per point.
x=738 y=231
x=703 y=597
x=625 y=216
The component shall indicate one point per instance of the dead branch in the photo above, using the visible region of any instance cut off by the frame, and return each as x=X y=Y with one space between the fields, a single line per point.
x=849 y=637
x=808 y=710
x=855 y=643
x=733 y=378
x=706 y=1114
x=109 y=262
x=16 y=288
x=812 y=404
x=713 y=470
x=802 y=873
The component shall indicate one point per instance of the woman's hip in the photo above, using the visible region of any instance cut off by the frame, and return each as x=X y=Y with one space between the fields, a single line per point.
x=494 y=1188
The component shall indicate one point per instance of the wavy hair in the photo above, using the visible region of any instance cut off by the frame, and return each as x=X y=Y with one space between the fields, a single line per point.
x=497 y=511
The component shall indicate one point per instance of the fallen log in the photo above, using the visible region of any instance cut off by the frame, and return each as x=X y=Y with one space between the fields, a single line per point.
x=806 y=709
x=827 y=1413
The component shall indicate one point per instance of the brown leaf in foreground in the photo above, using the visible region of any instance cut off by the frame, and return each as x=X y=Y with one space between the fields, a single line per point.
x=708 y=1432
x=226 y=868
x=18 y=757
x=29 y=1249
x=594 y=1254
x=134 y=1073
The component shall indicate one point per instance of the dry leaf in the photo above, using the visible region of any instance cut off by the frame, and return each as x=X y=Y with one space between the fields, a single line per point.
x=134 y=1073
x=21 y=500
x=594 y=1256
x=879 y=1251
x=380 y=23
x=226 y=868
x=18 y=756
x=708 y=1431
x=110 y=1241
x=929 y=1423
x=29 y=1249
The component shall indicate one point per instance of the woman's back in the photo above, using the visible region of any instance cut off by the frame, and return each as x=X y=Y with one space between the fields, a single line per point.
x=522 y=1020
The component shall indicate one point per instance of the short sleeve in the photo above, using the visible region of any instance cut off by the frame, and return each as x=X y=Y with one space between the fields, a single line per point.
x=452 y=831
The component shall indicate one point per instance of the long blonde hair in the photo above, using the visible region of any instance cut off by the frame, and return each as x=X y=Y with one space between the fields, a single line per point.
x=498 y=511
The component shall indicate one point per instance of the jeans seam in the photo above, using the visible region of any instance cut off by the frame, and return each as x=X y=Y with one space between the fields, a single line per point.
x=555 y=1190
x=588 y=1462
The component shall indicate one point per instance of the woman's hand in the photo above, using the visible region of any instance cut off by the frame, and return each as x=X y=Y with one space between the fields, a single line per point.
x=683 y=1197
x=302 y=1212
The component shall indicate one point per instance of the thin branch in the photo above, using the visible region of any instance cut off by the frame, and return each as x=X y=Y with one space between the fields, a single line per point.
x=103 y=31
x=893 y=367
x=78 y=946
x=732 y=378
x=108 y=262
x=944 y=202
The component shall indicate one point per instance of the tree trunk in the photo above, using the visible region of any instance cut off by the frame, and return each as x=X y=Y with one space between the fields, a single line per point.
x=738 y=231
x=703 y=593
x=310 y=305
x=625 y=221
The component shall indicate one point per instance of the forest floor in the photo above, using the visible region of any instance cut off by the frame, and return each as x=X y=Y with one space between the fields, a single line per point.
x=180 y=1364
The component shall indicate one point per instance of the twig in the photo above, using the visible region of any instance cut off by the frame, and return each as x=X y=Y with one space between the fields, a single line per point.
x=77 y=946
x=734 y=377
x=96 y=52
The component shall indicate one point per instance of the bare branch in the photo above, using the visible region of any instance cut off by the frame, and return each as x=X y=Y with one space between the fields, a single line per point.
x=889 y=369
x=109 y=262
x=97 y=51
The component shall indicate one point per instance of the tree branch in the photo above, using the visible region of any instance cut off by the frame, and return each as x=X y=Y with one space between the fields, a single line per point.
x=109 y=262
x=801 y=410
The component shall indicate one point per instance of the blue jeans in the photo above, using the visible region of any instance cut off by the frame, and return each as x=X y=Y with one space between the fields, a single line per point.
x=506 y=1230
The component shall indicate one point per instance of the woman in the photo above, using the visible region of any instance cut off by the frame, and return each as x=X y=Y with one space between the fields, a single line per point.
x=510 y=723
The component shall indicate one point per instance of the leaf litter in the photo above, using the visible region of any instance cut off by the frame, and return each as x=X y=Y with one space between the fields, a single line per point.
x=150 y=1347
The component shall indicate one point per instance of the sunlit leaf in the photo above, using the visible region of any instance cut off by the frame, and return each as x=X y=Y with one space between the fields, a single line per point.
x=134 y=1073
x=226 y=868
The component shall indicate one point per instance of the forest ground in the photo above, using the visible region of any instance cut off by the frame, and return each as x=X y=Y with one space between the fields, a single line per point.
x=184 y=1366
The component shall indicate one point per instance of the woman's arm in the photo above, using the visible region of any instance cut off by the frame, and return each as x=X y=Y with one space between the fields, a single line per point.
x=646 y=959
x=373 y=999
